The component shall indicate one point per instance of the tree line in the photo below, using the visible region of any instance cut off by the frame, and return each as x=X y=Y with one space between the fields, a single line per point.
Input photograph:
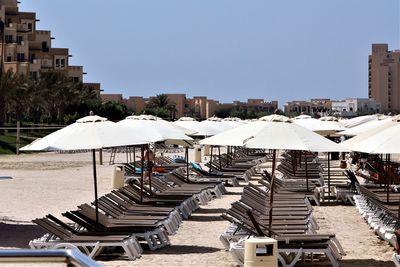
x=52 y=98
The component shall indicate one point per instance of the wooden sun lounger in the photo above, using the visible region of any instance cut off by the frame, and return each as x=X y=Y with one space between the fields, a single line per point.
x=92 y=244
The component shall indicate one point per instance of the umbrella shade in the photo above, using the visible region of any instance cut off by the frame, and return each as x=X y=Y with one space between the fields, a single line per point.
x=359 y=120
x=290 y=136
x=364 y=138
x=91 y=132
x=384 y=141
x=319 y=126
x=274 y=132
x=156 y=130
x=365 y=127
x=197 y=127
x=234 y=137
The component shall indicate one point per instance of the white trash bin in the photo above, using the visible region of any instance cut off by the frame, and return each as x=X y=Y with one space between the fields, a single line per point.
x=118 y=179
x=261 y=251
x=197 y=154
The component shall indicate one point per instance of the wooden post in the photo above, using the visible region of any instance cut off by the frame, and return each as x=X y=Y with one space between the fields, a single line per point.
x=18 y=137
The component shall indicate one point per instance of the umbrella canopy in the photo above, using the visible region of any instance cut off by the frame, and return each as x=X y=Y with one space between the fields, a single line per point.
x=273 y=132
x=217 y=124
x=319 y=126
x=156 y=130
x=380 y=140
x=197 y=127
x=91 y=132
x=365 y=127
x=359 y=120
x=235 y=136
x=279 y=132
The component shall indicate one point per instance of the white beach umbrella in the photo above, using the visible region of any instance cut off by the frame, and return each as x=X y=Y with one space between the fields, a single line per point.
x=91 y=132
x=217 y=124
x=379 y=140
x=318 y=126
x=359 y=120
x=197 y=127
x=235 y=136
x=280 y=132
x=156 y=130
x=365 y=127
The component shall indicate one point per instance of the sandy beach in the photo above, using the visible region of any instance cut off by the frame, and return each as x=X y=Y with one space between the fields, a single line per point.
x=54 y=183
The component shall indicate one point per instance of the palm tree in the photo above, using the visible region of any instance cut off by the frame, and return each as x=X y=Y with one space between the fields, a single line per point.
x=8 y=82
x=159 y=101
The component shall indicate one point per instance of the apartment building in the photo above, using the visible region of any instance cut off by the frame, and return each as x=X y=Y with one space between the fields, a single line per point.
x=383 y=77
x=199 y=106
x=28 y=51
x=315 y=105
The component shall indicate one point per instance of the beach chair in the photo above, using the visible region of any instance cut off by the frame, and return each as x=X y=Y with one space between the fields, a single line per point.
x=90 y=243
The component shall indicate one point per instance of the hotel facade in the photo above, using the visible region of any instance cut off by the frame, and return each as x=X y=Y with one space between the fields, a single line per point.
x=26 y=50
x=383 y=77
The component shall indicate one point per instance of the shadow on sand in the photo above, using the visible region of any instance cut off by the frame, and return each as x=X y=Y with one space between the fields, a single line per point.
x=182 y=249
x=354 y=263
x=18 y=235
x=207 y=218
x=207 y=211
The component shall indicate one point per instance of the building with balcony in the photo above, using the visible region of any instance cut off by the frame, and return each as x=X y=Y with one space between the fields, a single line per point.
x=28 y=51
x=314 y=106
x=383 y=77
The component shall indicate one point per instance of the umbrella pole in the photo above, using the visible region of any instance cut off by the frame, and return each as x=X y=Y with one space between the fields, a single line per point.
x=95 y=186
x=134 y=156
x=271 y=193
x=126 y=154
x=329 y=177
x=387 y=179
x=141 y=174
x=306 y=165
x=187 y=162
x=219 y=156
x=293 y=162
x=211 y=156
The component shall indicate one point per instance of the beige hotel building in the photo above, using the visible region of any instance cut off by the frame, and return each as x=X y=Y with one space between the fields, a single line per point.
x=383 y=77
x=27 y=50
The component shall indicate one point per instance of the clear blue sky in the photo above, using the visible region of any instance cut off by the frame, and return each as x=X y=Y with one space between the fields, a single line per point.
x=225 y=49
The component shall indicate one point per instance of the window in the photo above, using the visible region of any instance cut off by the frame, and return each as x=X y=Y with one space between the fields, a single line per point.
x=62 y=63
x=8 y=59
x=75 y=79
x=30 y=26
x=33 y=57
x=20 y=57
x=8 y=39
x=44 y=47
x=57 y=63
x=19 y=39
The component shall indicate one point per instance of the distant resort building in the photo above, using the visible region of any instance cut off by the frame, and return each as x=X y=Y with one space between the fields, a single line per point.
x=352 y=107
x=384 y=77
x=199 y=106
x=28 y=51
x=316 y=105
x=349 y=107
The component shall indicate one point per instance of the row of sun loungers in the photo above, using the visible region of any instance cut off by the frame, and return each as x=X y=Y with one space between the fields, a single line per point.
x=293 y=226
x=124 y=221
